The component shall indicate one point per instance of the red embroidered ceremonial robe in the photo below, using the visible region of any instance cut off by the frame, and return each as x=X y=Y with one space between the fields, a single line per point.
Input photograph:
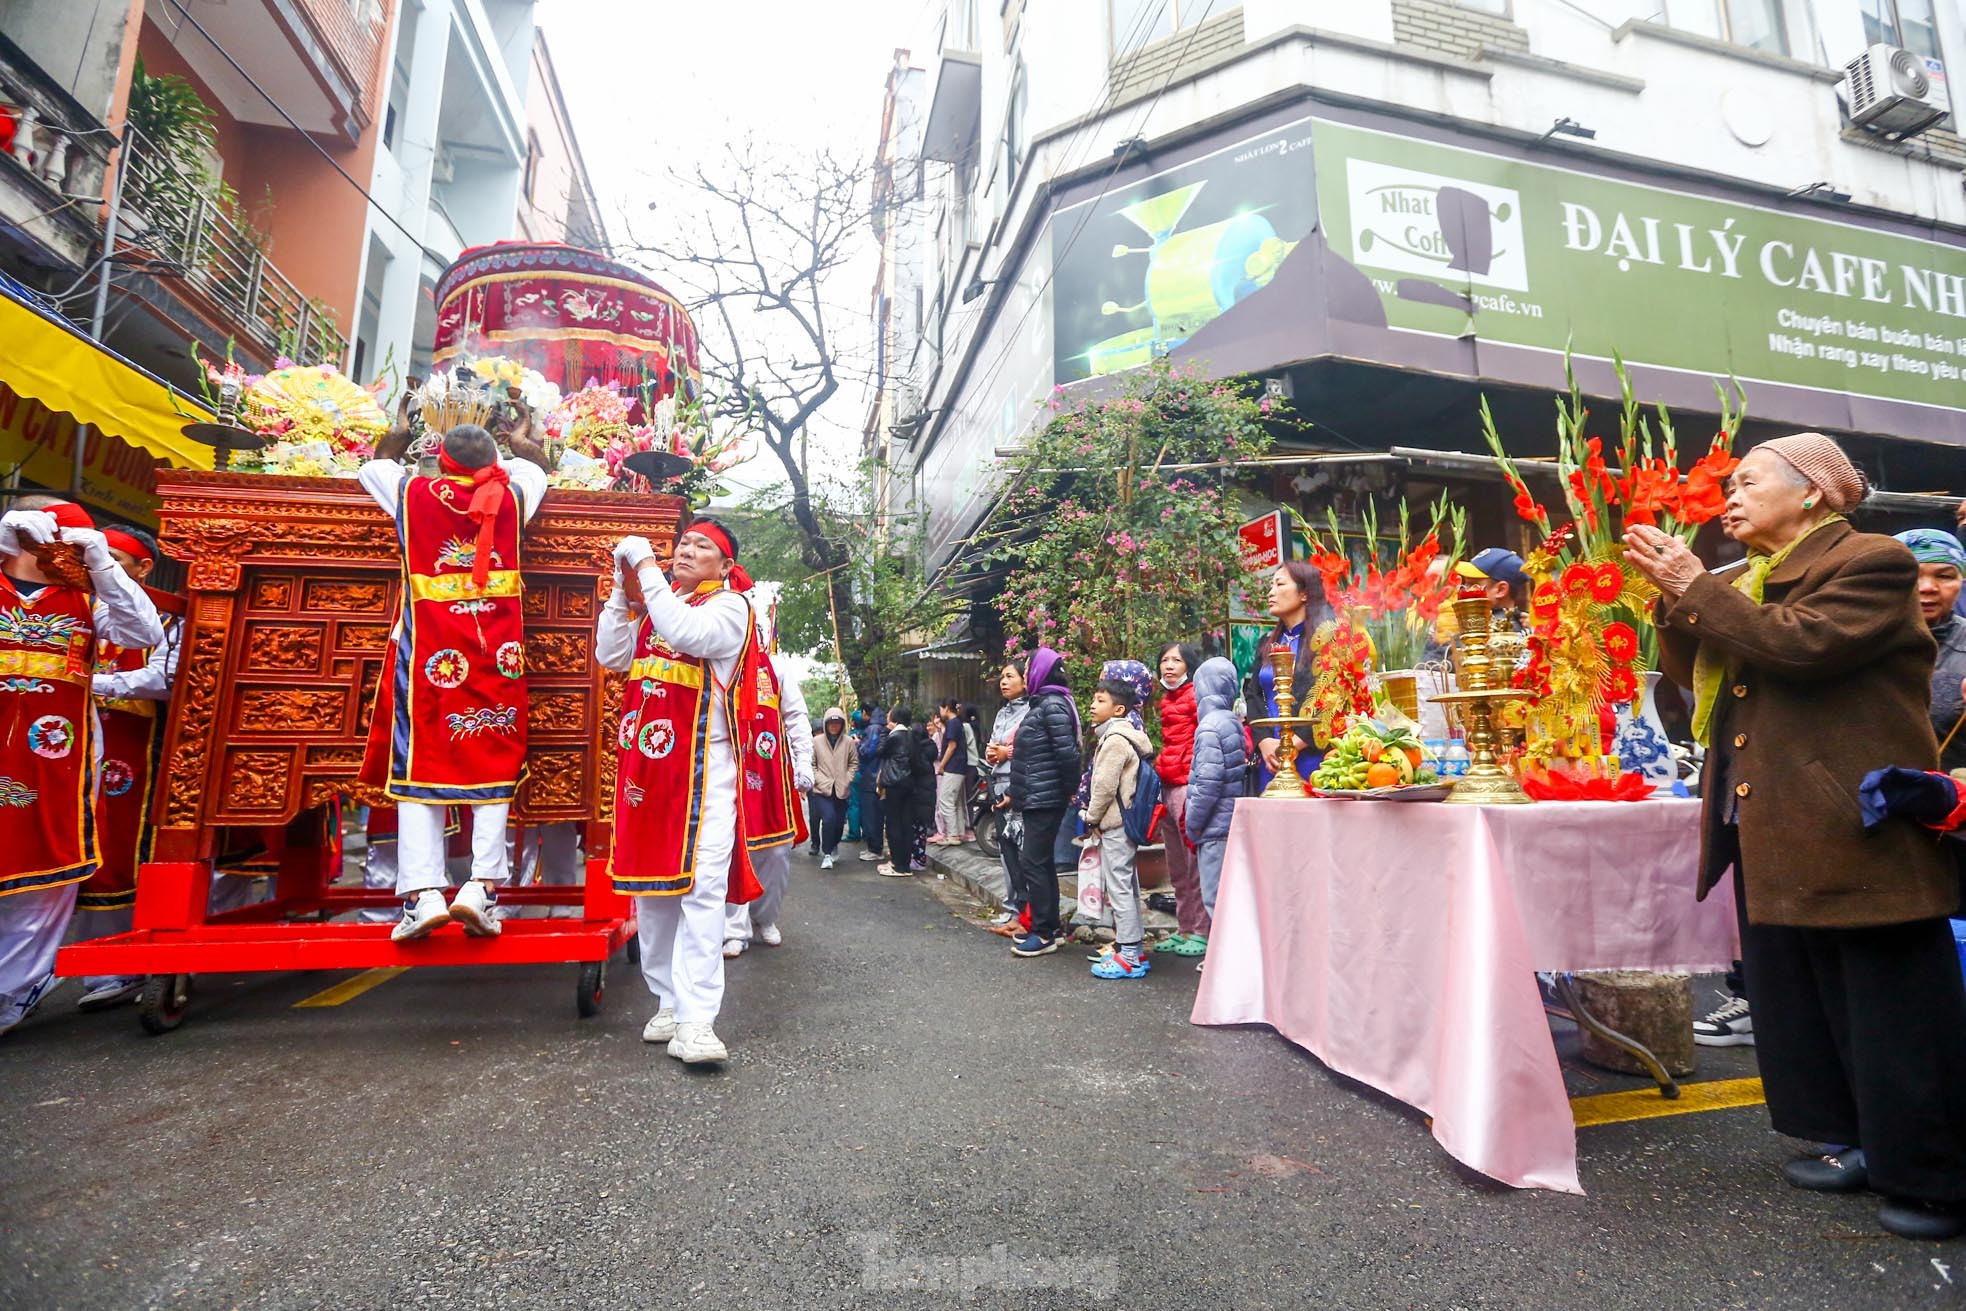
x=772 y=813
x=132 y=742
x=661 y=772
x=450 y=717
x=47 y=739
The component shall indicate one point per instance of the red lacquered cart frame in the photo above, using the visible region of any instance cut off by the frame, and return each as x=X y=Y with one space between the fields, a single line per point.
x=292 y=587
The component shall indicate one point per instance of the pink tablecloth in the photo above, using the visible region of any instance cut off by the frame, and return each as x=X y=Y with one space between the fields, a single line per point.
x=1399 y=943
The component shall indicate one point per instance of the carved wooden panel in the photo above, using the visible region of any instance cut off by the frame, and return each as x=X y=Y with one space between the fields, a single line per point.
x=557 y=712
x=281 y=648
x=290 y=710
x=294 y=586
x=325 y=594
x=275 y=593
x=557 y=651
x=257 y=780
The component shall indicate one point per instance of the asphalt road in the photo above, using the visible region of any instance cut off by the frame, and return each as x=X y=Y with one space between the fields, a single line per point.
x=910 y=1118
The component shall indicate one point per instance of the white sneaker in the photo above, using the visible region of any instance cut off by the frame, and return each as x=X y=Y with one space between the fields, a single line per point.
x=108 y=993
x=770 y=935
x=697 y=1043
x=872 y=855
x=661 y=1026
x=423 y=912
x=1728 y=1025
x=890 y=872
x=476 y=907
x=733 y=948
x=825 y=862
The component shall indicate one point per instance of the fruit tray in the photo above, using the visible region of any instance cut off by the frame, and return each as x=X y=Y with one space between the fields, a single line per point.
x=1408 y=792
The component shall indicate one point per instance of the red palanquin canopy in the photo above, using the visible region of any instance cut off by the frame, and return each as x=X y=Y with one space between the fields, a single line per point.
x=575 y=316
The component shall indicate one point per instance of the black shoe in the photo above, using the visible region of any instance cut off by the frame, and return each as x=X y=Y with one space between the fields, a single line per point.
x=1934 y=1222
x=1839 y=1172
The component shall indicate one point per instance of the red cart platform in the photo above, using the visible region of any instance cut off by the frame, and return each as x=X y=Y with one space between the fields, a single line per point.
x=292 y=590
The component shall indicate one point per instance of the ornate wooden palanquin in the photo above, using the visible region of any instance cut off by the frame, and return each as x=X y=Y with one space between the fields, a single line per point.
x=291 y=593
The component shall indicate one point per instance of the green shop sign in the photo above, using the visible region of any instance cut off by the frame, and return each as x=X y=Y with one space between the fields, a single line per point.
x=1536 y=256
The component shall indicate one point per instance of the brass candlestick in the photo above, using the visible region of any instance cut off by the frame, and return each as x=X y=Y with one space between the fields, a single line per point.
x=1483 y=687
x=1286 y=782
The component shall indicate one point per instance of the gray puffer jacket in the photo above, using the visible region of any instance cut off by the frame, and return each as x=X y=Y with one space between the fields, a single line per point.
x=1215 y=781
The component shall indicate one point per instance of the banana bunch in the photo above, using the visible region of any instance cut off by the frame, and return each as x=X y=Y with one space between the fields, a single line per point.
x=1344 y=765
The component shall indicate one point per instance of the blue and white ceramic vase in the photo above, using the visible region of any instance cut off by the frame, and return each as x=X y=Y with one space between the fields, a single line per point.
x=1642 y=744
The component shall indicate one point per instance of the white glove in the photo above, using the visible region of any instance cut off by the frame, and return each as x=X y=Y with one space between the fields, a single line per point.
x=633 y=552
x=20 y=529
x=95 y=548
x=803 y=782
x=106 y=685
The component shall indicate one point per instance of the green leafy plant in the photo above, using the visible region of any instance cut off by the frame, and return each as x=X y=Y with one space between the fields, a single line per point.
x=1118 y=530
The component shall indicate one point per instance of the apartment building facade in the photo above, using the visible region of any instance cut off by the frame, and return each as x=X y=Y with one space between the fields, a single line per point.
x=1388 y=209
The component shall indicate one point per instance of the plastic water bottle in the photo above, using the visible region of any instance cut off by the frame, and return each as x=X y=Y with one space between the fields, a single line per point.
x=1433 y=754
x=1455 y=763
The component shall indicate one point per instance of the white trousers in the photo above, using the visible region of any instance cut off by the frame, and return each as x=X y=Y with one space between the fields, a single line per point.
x=31 y=929
x=774 y=869
x=682 y=938
x=549 y=856
x=92 y=924
x=420 y=845
x=379 y=874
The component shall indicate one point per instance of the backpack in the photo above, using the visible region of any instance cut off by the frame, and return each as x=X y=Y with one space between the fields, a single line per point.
x=1137 y=815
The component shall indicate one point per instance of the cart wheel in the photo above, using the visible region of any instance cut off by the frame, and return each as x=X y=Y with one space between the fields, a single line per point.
x=587 y=995
x=162 y=1003
x=634 y=949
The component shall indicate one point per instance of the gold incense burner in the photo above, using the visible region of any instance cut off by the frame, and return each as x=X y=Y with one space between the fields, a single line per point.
x=1482 y=662
x=1287 y=782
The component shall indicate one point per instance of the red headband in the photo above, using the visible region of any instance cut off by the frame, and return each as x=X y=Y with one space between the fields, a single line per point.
x=70 y=515
x=739 y=579
x=121 y=541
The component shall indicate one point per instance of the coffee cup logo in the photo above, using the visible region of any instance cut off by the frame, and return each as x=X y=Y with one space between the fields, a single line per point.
x=1407 y=221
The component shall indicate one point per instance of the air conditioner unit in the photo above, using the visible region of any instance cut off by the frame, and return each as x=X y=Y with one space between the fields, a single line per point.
x=1891 y=91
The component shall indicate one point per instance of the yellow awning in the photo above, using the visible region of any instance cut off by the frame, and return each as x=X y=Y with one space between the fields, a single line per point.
x=49 y=362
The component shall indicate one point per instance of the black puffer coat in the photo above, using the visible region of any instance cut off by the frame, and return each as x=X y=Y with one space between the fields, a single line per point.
x=1044 y=758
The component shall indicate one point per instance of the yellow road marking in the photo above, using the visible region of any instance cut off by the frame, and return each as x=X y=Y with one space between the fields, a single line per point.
x=1647 y=1104
x=351 y=988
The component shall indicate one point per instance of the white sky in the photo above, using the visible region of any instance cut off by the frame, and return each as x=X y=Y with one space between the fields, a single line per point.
x=653 y=85
x=658 y=84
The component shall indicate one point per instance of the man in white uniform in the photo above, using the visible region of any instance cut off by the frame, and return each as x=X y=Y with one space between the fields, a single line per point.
x=34 y=918
x=774 y=864
x=698 y=619
x=420 y=845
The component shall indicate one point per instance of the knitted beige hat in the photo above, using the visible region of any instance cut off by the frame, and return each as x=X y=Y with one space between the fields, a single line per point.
x=1823 y=463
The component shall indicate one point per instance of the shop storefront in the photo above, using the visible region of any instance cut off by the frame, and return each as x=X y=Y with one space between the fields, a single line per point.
x=62 y=394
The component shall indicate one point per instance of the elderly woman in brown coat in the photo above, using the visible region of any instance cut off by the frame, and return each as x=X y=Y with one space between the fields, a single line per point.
x=1811 y=666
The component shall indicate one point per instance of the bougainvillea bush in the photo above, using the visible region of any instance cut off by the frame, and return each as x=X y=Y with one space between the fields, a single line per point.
x=1118 y=531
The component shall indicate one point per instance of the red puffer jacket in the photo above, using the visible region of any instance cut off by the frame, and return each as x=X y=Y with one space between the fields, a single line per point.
x=1177 y=736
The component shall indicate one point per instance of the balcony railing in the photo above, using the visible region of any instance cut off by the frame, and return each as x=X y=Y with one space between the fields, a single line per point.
x=188 y=234
x=57 y=145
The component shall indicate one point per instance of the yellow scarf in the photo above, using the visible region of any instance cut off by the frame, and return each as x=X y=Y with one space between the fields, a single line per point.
x=1709 y=667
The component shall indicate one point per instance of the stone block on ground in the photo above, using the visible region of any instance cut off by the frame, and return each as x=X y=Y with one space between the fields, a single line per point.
x=1654 y=1010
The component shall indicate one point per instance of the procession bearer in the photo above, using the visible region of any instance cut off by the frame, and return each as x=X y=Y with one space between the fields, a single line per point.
x=777 y=774
x=694 y=668
x=450 y=717
x=132 y=687
x=49 y=636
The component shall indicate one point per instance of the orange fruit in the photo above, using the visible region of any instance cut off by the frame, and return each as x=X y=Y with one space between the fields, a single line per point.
x=1412 y=756
x=1381 y=776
